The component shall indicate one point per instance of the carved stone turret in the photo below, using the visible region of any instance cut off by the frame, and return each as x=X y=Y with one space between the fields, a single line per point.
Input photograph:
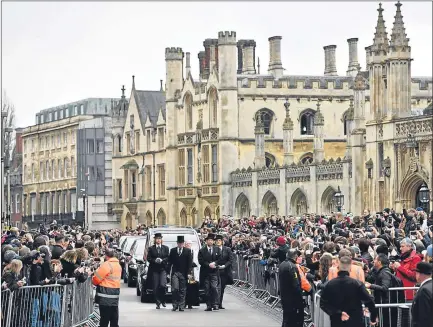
x=259 y=131
x=288 y=136
x=319 y=149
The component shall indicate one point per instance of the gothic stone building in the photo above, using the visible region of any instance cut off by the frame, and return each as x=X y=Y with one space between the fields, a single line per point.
x=240 y=142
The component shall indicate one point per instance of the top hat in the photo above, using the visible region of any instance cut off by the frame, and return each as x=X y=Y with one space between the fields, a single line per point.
x=219 y=237
x=180 y=239
x=210 y=236
x=157 y=235
x=424 y=268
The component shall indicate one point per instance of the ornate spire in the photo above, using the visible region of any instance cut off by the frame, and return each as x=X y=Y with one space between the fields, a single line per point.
x=359 y=81
x=260 y=127
x=399 y=41
x=318 y=117
x=380 y=41
x=351 y=111
x=133 y=82
x=123 y=91
x=288 y=123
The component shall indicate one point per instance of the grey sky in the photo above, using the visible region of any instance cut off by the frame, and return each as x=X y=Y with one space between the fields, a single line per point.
x=55 y=52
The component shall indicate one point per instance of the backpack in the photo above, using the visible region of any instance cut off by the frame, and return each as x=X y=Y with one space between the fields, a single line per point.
x=397 y=296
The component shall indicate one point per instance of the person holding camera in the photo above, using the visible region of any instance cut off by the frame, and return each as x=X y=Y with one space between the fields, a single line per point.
x=158 y=257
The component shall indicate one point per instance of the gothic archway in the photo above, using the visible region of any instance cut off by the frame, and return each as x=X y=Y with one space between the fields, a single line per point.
x=208 y=212
x=149 y=220
x=183 y=218
x=267 y=117
x=328 y=200
x=306 y=119
x=409 y=189
x=269 y=204
x=299 y=203
x=128 y=220
x=161 y=217
x=306 y=158
x=242 y=206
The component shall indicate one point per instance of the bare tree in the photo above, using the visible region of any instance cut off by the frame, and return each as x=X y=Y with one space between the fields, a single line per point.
x=8 y=107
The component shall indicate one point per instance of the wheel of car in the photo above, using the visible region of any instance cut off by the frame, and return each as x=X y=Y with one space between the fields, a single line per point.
x=130 y=281
x=145 y=298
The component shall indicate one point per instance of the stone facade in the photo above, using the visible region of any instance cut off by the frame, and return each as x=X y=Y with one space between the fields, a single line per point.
x=240 y=142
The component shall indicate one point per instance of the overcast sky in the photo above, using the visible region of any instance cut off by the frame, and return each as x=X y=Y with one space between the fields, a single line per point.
x=54 y=53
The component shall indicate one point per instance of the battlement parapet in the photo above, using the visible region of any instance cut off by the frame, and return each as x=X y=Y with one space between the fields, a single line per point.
x=173 y=53
x=227 y=38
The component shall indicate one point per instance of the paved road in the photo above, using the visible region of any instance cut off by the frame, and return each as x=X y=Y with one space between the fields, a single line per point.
x=133 y=313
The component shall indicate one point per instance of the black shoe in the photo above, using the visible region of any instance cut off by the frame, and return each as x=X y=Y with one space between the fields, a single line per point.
x=208 y=309
x=163 y=304
x=180 y=309
x=158 y=306
x=174 y=309
x=221 y=307
x=215 y=308
x=190 y=307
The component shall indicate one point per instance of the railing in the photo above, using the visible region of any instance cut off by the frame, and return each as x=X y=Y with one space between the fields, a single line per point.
x=69 y=218
x=48 y=306
x=254 y=280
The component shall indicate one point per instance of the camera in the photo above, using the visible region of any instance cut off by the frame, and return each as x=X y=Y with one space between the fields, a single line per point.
x=412 y=235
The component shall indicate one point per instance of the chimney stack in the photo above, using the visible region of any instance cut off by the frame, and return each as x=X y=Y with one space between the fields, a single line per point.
x=248 y=57
x=275 y=65
x=353 y=68
x=187 y=64
x=330 y=66
x=210 y=48
x=202 y=63
x=367 y=56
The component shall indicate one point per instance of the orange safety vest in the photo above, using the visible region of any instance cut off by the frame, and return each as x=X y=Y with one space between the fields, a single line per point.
x=305 y=285
x=108 y=274
x=356 y=272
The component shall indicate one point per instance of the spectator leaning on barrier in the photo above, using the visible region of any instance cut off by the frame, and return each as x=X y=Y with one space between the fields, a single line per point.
x=107 y=280
x=422 y=306
x=405 y=269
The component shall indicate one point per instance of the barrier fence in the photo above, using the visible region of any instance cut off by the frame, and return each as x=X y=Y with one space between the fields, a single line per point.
x=48 y=306
x=255 y=280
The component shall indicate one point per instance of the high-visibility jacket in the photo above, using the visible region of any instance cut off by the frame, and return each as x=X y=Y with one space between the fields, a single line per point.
x=356 y=272
x=107 y=280
x=305 y=284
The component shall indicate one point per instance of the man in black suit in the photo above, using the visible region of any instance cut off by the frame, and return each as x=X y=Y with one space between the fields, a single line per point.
x=180 y=263
x=207 y=258
x=422 y=306
x=224 y=264
x=158 y=258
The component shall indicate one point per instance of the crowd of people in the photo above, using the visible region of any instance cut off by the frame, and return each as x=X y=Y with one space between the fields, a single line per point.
x=351 y=260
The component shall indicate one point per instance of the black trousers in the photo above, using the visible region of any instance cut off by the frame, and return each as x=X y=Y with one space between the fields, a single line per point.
x=109 y=315
x=159 y=284
x=211 y=282
x=292 y=316
x=221 y=287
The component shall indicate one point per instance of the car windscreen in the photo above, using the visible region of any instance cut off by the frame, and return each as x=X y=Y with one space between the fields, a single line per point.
x=139 y=250
x=128 y=243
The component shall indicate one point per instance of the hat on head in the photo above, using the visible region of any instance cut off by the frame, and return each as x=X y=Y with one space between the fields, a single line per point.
x=419 y=209
x=219 y=237
x=386 y=210
x=424 y=268
x=210 y=236
x=180 y=239
x=281 y=240
x=157 y=235
x=430 y=250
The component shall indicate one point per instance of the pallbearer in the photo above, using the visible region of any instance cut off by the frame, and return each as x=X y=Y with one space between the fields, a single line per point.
x=158 y=258
x=224 y=263
x=180 y=263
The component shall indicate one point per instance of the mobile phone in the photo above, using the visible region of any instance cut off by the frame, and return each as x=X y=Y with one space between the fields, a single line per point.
x=412 y=235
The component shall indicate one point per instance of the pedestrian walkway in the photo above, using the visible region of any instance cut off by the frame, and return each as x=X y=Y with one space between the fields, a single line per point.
x=133 y=313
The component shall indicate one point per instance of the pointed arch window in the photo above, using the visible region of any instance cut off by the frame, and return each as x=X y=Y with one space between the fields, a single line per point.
x=307 y=122
x=188 y=107
x=306 y=158
x=213 y=108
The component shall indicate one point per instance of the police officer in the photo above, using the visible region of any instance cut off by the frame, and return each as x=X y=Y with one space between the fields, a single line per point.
x=158 y=258
x=290 y=291
x=107 y=281
x=224 y=267
x=180 y=262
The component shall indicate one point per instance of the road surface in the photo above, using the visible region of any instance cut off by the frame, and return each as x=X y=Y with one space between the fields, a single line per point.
x=133 y=313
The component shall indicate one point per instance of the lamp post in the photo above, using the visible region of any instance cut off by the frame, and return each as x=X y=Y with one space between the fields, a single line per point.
x=84 y=195
x=338 y=199
x=424 y=197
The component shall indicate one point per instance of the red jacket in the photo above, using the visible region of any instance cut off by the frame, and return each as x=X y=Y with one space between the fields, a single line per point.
x=406 y=272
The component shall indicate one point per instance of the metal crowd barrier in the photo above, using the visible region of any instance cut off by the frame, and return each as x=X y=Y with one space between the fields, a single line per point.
x=48 y=306
x=259 y=282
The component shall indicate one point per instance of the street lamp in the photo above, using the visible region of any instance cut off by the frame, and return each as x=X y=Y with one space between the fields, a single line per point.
x=424 y=196
x=83 y=193
x=338 y=199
